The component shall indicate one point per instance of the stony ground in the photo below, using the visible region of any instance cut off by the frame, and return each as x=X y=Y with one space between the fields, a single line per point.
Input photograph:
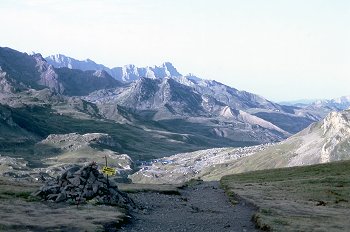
x=202 y=207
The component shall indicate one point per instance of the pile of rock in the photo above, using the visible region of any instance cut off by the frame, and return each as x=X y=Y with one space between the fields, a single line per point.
x=78 y=185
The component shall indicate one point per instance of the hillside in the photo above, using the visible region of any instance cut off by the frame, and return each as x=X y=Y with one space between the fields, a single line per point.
x=322 y=142
x=310 y=198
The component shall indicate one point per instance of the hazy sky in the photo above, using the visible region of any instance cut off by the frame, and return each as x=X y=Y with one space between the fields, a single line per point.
x=280 y=49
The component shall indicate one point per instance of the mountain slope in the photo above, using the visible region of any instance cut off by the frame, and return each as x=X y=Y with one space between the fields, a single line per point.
x=325 y=141
x=322 y=142
x=11 y=134
x=20 y=71
x=181 y=109
x=288 y=118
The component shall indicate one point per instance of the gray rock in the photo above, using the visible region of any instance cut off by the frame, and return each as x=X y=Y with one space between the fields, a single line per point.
x=52 y=196
x=61 y=197
x=95 y=188
x=113 y=184
x=83 y=185
x=50 y=189
x=75 y=181
x=88 y=194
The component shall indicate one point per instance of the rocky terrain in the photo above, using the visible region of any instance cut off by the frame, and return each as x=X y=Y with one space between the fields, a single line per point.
x=183 y=167
x=199 y=207
x=79 y=185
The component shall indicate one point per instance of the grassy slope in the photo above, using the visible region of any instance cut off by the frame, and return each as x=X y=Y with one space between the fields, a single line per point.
x=309 y=198
x=137 y=142
x=20 y=211
x=277 y=156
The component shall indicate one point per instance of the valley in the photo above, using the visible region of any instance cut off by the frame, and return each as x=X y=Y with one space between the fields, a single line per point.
x=171 y=139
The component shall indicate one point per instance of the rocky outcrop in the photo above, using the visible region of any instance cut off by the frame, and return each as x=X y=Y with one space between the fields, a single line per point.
x=182 y=167
x=75 y=141
x=336 y=130
x=80 y=185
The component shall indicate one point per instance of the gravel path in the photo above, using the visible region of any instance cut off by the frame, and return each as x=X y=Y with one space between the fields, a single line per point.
x=203 y=207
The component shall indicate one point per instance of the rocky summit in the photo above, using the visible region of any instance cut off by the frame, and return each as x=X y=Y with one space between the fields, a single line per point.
x=79 y=185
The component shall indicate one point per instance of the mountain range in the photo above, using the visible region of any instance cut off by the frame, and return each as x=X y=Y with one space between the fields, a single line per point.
x=280 y=115
x=127 y=73
x=149 y=111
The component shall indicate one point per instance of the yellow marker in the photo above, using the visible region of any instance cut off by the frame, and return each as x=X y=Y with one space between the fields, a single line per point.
x=108 y=171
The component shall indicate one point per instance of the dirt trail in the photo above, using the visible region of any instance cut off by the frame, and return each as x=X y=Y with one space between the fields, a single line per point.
x=203 y=207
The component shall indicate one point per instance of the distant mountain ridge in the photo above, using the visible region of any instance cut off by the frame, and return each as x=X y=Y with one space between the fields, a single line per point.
x=126 y=73
x=228 y=95
x=338 y=104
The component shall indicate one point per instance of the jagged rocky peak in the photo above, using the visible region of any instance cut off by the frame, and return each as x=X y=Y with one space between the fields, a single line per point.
x=25 y=71
x=337 y=123
x=41 y=63
x=343 y=99
x=62 y=61
x=338 y=104
x=170 y=70
x=59 y=61
x=58 y=57
x=130 y=72
x=126 y=73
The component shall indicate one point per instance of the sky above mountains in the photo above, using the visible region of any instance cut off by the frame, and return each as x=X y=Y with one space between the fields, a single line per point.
x=283 y=50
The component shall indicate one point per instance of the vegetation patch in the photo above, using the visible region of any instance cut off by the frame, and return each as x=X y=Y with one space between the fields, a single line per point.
x=309 y=198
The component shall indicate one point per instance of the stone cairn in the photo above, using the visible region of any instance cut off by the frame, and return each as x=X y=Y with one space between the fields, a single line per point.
x=79 y=185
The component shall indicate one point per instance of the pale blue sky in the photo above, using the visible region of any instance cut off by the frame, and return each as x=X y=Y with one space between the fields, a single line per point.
x=280 y=49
